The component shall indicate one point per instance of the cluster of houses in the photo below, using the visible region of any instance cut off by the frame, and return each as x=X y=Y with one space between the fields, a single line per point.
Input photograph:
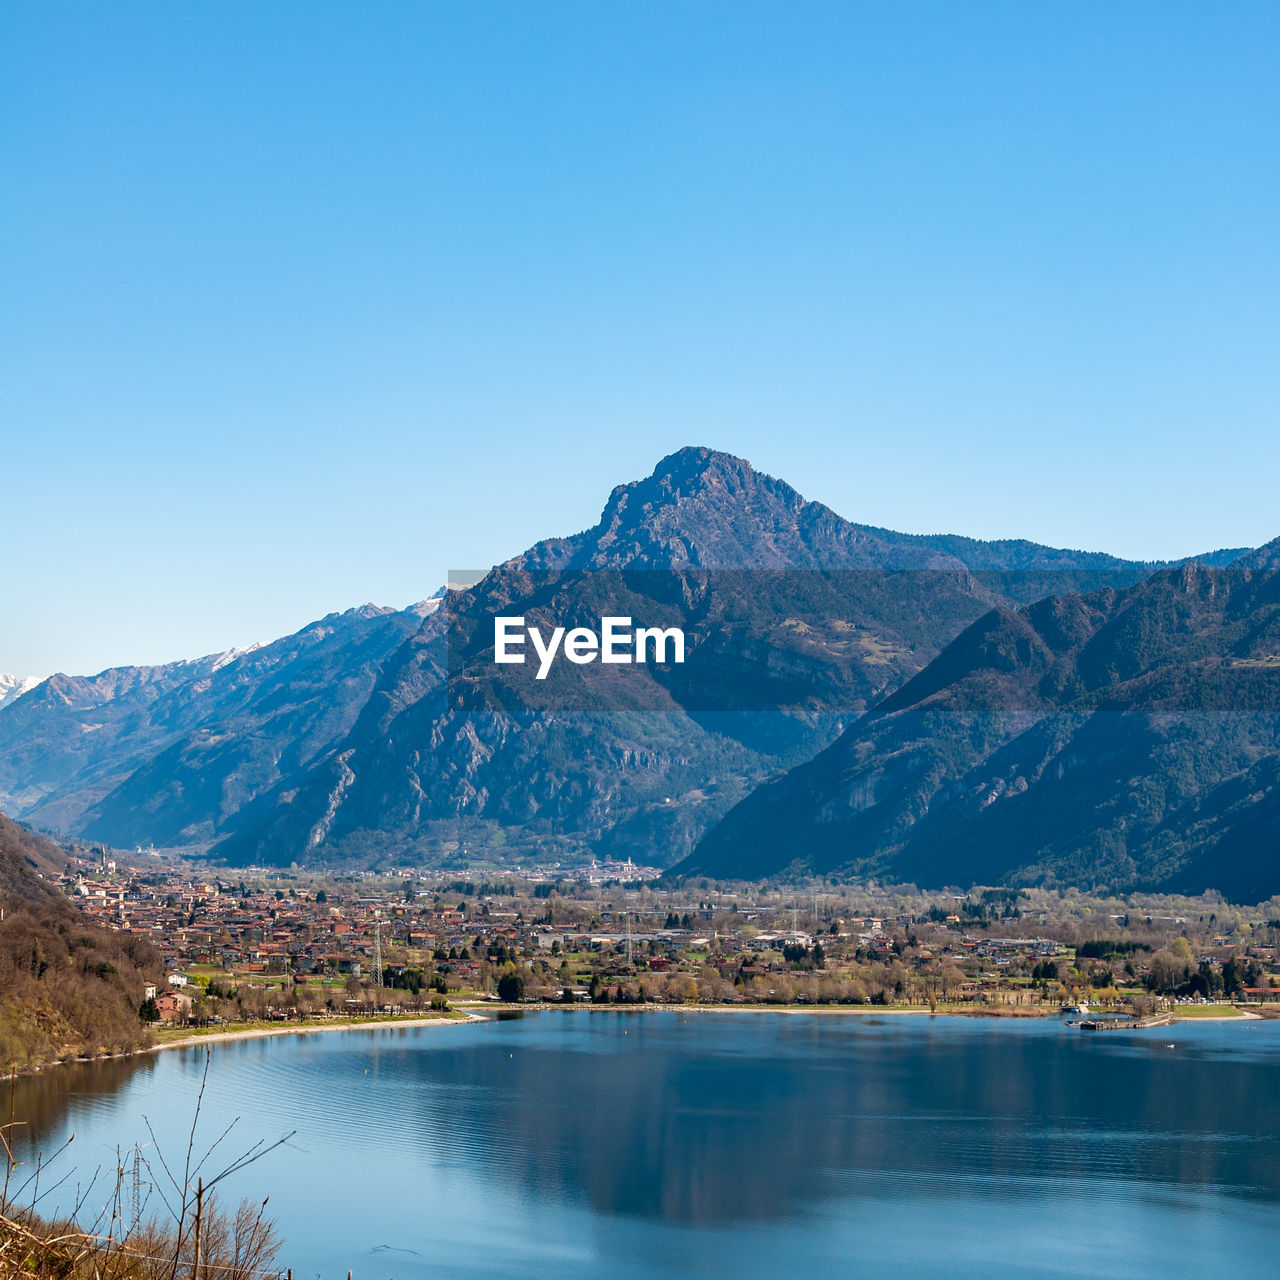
x=273 y=929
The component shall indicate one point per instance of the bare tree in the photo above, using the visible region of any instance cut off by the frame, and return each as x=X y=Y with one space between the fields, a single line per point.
x=121 y=1240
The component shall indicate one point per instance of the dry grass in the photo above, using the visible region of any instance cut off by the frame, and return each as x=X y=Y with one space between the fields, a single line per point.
x=187 y=1236
x=239 y=1246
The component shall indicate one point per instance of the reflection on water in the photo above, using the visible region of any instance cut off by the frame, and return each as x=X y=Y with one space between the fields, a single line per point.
x=667 y=1144
x=50 y=1102
x=751 y=1124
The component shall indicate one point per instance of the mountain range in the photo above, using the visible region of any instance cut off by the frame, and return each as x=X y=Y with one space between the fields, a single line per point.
x=1113 y=739
x=384 y=736
x=644 y=780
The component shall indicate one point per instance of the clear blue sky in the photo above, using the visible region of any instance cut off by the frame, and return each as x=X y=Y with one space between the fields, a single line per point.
x=304 y=304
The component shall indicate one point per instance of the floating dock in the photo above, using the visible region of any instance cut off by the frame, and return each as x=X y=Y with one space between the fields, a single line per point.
x=1123 y=1023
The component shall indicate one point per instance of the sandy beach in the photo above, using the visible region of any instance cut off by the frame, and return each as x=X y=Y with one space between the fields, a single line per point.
x=258 y=1033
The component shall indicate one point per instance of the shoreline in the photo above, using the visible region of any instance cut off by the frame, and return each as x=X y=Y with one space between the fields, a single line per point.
x=244 y=1033
x=478 y=1012
x=260 y=1033
x=995 y=1013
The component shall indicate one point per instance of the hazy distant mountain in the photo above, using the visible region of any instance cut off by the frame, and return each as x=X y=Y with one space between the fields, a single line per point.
x=417 y=775
x=164 y=754
x=13 y=687
x=1122 y=738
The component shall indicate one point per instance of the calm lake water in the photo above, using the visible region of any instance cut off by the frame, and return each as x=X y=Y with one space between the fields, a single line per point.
x=668 y=1145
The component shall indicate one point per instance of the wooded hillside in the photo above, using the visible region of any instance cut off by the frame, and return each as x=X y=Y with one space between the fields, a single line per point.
x=67 y=987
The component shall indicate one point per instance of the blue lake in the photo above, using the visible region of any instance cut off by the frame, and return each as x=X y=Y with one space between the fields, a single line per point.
x=691 y=1145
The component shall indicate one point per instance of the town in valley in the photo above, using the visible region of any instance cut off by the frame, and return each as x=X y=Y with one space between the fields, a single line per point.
x=244 y=946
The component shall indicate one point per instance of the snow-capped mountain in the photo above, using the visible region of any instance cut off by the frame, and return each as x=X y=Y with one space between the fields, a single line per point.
x=13 y=687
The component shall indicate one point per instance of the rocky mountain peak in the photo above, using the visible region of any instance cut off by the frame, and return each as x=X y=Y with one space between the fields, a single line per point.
x=701 y=508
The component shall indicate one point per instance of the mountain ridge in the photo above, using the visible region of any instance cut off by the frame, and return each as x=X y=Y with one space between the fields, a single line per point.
x=83 y=754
